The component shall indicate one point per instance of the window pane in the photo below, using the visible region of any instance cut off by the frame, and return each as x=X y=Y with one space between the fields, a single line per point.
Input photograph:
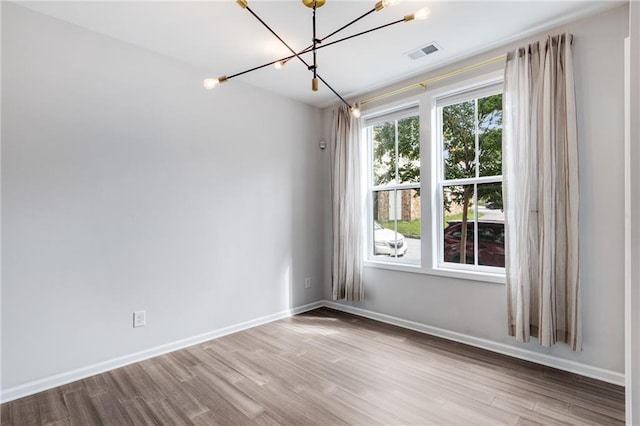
x=409 y=149
x=396 y=224
x=458 y=210
x=384 y=153
x=490 y=135
x=490 y=225
x=459 y=140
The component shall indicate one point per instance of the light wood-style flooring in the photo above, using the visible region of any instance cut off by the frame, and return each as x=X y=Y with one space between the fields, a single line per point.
x=325 y=368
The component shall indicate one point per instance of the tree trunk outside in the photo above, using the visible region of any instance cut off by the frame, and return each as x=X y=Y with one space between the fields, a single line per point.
x=463 y=234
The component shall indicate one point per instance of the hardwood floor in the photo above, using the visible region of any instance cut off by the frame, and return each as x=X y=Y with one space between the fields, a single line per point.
x=325 y=368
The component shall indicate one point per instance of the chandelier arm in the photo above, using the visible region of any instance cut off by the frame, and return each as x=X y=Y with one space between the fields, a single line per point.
x=358 y=34
x=348 y=24
x=278 y=37
x=256 y=68
x=307 y=50
x=334 y=92
x=315 y=43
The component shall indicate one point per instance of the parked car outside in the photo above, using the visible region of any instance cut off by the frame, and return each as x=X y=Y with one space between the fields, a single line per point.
x=490 y=242
x=388 y=242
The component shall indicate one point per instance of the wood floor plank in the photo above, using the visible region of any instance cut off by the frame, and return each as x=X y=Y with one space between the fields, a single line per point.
x=218 y=407
x=166 y=413
x=5 y=415
x=81 y=409
x=173 y=391
x=242 y=364
x=526 y=415
x=63 y=422
x=52 y=407
x=140 y=412
x=110 y=410
x=230 y=393
x=132 y=382
x=95 y=385
x=289 y=407
x=325 y=368
x=25 y=411
x=177 y=370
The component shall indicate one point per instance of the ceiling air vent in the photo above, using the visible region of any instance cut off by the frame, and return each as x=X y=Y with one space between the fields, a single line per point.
x=423 y=51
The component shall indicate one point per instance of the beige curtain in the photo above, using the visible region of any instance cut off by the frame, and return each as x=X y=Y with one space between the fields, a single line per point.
x=541 y=193
x=346 y=197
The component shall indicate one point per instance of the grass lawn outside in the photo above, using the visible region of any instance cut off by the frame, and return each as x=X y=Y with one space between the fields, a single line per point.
x=408 y=228
x=458 y=216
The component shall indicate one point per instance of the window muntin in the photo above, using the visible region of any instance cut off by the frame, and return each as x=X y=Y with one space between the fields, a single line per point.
x=470 y=220
x=394 y=182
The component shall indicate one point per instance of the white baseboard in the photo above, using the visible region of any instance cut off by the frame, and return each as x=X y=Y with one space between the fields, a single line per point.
x=539 y=358
x=50 y=382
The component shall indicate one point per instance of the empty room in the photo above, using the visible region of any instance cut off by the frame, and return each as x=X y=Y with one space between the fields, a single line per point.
x=320 y=212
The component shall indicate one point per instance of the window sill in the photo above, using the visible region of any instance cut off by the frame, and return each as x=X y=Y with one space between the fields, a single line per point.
x=486 y=277
x=393 y=266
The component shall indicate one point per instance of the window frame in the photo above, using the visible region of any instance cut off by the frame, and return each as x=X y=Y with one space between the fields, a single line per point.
x=480 y=91
x=430 y=162
x=369 y=257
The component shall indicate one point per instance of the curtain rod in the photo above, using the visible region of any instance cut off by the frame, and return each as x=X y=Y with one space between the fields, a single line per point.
x=424 y=83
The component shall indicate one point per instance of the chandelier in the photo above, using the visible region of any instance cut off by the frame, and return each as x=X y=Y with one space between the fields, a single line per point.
x=317 y=44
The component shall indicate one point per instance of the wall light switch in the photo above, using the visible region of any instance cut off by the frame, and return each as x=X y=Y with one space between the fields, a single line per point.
x=139 y=319
x=307 y=282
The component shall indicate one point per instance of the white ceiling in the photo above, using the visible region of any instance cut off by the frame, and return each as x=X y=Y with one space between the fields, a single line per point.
x=222 y=37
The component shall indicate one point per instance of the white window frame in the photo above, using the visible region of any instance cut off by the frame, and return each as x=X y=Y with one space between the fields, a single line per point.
x=469 y=89
x=442 y=182
x=370 y=260
x=431 y=214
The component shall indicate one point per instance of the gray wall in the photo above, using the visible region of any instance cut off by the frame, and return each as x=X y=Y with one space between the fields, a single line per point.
x=126 y=186
x=633 y=305
x=479 y=309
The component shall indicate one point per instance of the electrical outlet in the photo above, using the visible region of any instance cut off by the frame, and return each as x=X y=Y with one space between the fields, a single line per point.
x=307 y=282
x=139 y=319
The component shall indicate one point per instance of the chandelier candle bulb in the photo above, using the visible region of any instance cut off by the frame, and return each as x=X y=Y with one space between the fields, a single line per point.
x=355 y=112
x=418 y=15
x=385 y=3
x=314 y=84
x=210 y=83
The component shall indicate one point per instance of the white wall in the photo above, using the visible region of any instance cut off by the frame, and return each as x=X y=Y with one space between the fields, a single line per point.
x=126 y=186
x=479 y=309
x=633 y=315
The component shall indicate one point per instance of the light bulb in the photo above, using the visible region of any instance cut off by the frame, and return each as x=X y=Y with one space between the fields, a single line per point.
x=210 y=83
x=422 y=13
x=419 y=14
x=355 y=112
x=385 y=3
x=278 y=65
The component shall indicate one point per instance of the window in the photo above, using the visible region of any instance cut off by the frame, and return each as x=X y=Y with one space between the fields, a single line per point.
x=470 y=218
x=393 y=140
x=435 y=183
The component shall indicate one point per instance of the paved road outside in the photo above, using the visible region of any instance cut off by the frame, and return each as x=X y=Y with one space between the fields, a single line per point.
x=488 y=214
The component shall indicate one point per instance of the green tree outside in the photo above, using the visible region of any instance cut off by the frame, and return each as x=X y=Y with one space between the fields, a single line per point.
x=460 y=129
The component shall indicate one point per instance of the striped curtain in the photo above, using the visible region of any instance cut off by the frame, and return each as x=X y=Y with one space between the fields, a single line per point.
x=540 y=151
x=347 y=207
